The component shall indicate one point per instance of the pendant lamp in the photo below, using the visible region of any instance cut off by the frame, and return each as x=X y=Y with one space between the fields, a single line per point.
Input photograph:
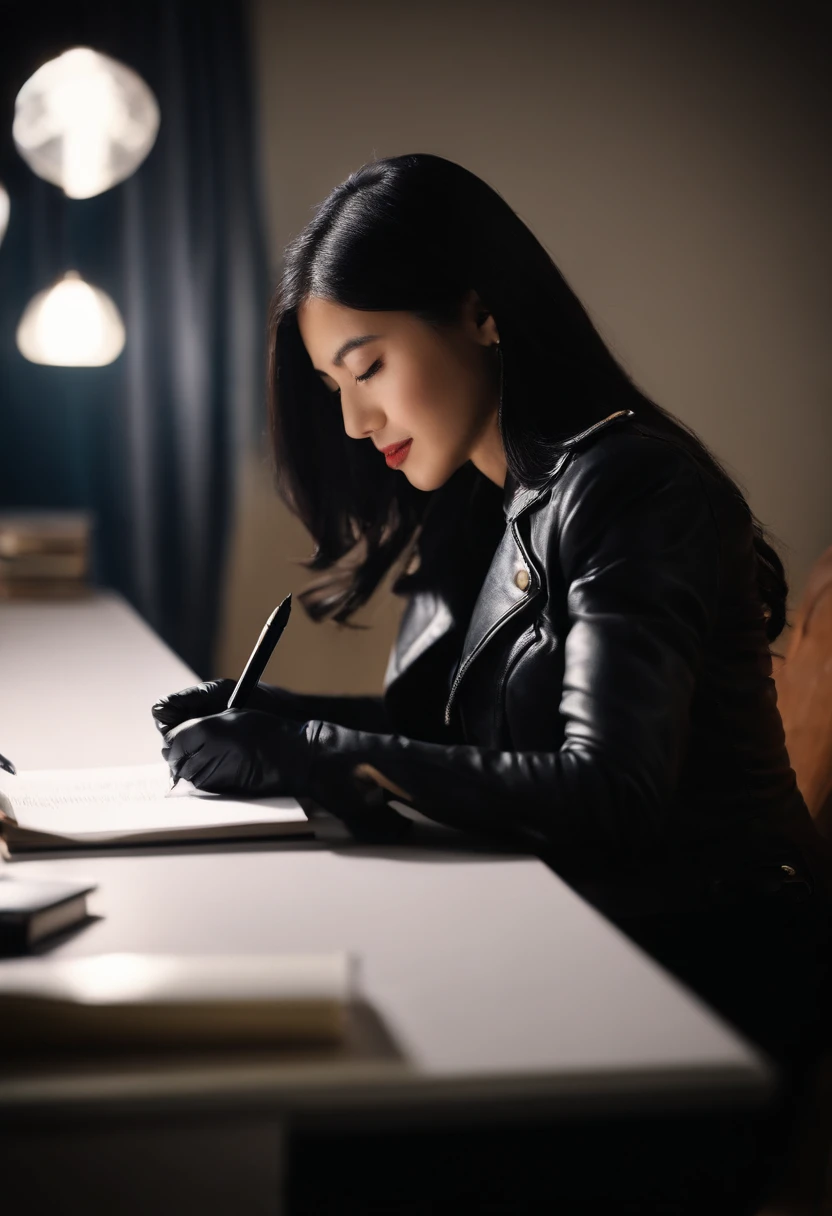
x=5 y=207
x=71 y=324
x=85 y=122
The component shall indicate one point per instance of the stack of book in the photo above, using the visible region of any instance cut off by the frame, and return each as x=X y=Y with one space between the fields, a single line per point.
x=45 y=554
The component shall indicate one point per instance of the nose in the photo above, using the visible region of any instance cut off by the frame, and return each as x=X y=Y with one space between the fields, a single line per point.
x=361 y=418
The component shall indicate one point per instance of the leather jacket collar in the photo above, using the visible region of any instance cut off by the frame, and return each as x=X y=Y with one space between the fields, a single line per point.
x=517 y=497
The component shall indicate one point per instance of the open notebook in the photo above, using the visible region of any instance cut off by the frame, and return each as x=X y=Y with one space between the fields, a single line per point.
x=65 y=808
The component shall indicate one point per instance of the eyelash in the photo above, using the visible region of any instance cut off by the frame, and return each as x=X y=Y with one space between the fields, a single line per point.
x=370 y=372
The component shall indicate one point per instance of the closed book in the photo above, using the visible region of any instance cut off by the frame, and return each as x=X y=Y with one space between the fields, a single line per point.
x=33 y=909
x=45 y=565
x=44 y=531
x=124 y=1000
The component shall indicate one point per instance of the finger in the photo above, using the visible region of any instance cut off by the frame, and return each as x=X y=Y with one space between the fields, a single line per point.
x=197 y=701
x=182 y=730
x=198 y=769
x=170 y=711
x=180 y=745
x=179 y=767
x=204 y=777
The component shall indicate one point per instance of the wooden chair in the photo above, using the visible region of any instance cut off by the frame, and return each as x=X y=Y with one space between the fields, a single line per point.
x=803 y=678
x=804 y=693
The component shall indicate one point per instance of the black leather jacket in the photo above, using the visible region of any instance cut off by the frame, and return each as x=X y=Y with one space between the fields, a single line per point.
x=582 y=671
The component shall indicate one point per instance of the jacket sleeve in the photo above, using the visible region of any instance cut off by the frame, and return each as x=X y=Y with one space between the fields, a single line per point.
x=637 y=543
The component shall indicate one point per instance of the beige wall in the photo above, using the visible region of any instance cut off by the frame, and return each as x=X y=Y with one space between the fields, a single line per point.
x=673 y=165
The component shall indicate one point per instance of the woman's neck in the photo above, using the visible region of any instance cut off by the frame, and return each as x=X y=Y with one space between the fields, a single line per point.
x=489 y=454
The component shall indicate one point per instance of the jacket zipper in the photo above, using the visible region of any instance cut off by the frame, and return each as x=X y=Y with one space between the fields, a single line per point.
x=497 y=625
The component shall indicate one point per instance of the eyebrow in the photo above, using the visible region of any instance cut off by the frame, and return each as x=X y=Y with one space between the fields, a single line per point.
x=350 y=344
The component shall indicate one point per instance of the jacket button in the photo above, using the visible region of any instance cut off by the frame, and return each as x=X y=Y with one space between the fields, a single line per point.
x=521 y=578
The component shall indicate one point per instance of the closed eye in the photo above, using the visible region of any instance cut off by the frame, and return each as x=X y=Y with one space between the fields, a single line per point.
x=371 y=371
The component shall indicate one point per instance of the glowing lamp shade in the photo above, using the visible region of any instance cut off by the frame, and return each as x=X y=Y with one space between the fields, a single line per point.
x=84 y=121
x=71 y=324
x=4 y=212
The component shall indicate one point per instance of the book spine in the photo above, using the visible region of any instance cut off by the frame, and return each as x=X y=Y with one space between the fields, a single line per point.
x=44 y=565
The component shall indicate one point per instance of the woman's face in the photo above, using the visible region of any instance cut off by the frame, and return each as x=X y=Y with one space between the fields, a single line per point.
x=406 y=380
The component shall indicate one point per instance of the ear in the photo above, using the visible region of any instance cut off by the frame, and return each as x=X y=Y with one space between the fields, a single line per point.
x=480 y=321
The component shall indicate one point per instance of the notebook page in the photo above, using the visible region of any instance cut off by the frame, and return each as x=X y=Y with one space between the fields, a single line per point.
x=130 y=798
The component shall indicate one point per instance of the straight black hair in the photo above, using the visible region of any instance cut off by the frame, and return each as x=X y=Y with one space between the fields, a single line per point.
x=415 y=233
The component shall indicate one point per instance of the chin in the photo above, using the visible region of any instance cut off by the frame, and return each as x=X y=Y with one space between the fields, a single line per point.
x=420 y=482
x=434 y=478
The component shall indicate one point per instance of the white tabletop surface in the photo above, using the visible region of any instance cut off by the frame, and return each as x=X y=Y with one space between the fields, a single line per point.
x=483 y=978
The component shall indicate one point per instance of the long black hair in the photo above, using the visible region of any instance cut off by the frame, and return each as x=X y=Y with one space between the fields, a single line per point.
x=415 y=233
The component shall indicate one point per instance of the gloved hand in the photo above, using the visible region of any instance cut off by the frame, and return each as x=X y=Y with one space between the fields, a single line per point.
x=242 y=751
x=211 y=697
x=256 y=754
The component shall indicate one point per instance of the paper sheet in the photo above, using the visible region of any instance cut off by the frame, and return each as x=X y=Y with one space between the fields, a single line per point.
x=130 y=798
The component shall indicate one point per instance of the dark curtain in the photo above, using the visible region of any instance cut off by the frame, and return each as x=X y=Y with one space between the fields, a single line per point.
x=151 y=442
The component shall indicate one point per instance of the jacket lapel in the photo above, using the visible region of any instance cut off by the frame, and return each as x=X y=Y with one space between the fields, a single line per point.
x=512 y=581
x=427 y=618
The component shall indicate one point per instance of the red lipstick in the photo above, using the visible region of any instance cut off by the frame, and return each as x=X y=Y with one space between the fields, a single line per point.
x=396 y=453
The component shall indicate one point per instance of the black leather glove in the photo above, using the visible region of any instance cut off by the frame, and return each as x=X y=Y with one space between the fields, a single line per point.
x=211 y=697
x=242 y=751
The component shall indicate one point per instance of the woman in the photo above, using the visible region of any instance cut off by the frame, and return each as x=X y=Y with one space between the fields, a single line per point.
x=583 y=666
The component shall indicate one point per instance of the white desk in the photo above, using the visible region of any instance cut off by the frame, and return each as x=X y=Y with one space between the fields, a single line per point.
x=489 y=984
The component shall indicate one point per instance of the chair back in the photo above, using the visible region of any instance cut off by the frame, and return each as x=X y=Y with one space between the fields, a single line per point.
x=804 y=693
